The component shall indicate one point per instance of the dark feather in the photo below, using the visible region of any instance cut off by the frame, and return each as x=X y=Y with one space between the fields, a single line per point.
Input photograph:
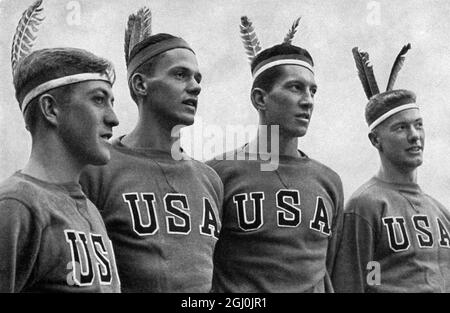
x=135 y=36
x=128 y=30
x=361 y=72
x=398 y=64
x=25 y=37
x=249 y=39
x=291 y=33
x=368 y=69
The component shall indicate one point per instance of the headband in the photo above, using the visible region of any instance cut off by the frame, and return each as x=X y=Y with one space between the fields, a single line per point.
x=280 y=60
x=153 y=50
x=389 y=113
x=59 y=82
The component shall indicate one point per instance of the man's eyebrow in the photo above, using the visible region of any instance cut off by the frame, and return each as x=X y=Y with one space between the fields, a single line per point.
x=104 y=91
x=180 y=67
x=301 y=81
x=406 y=122
x=98 y=89
x=187 y=69
x=398 y=123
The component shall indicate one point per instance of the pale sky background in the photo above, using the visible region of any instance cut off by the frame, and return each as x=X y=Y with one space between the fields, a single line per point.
x=329 y=29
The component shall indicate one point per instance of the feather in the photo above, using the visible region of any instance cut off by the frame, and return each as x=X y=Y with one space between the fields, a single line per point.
x=398 y=64
x=361 y=72
x=291 y=33
x=25 y=37
x=135 y=37
x=368 y=69
x=128 y=31
x=139 y=27
x=250 y=40
x=146 y=23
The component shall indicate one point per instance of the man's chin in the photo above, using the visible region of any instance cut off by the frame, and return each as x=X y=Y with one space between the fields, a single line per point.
x=100 y=158
x=300 y=132
x=186 y=120
x=412 y=164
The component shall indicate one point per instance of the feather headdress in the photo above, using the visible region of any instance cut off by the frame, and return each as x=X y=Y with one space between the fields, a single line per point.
x=291 y=33
x=139 y=28
x=366 y=74
x=251 y=43
x=25 y=37
x=398 y=64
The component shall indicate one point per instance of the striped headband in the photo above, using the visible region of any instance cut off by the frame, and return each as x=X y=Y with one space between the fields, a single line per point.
x=292 y=59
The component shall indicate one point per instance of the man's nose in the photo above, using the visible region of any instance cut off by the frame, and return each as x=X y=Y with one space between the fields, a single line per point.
x=307 y=100
x=414 y=134
x=111 y=117
x=194 y=88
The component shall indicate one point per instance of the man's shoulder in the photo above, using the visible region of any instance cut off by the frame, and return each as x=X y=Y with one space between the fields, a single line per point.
x=205 y=169
x=326 y=171
x=368 y=197
x=21 y=194
x=223 y=159
x=445 y=210
x=15 y=187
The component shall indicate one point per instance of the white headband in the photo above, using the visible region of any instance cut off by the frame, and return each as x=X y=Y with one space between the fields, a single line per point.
x=388 y=114
x=62 y=81
x=282 y=62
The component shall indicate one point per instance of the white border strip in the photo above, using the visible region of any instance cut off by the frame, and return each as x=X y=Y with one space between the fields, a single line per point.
x=388 y=114
x=66 y=80
x=283 y=62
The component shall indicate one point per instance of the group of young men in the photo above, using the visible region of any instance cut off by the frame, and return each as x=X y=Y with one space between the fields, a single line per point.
x=87 y=215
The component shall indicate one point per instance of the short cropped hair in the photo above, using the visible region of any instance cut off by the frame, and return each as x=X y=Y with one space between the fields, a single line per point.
x=383 y=102
x=44 y=65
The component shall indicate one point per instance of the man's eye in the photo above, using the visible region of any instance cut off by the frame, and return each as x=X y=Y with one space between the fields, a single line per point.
x=99 y=100
x=180 y=74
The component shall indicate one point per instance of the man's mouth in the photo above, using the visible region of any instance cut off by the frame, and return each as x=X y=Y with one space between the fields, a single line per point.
x=191 y=102
x=106 y=136
x=415 y=149
x=304 y=116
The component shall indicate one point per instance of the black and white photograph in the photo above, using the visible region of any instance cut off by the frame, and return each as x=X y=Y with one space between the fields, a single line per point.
x=224 y=150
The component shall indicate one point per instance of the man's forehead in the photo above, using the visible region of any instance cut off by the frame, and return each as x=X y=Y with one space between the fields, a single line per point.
x=178 y=57
x=297 y=72
x=409 y=115
x=92 y=86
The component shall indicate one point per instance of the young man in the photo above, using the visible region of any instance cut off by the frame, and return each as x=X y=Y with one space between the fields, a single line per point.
x=162 y=213
x=396 y=238
x=279 y=225
x=52 y=238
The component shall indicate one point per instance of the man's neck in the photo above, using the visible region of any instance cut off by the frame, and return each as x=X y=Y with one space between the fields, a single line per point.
x=151 y=133
x=51 y=162
x=392 y=174
x=271 y=142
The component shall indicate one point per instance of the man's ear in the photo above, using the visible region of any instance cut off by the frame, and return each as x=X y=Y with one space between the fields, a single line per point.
x=49 y=108
x=139 y=84
x=258 y=97
x=375 y=139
